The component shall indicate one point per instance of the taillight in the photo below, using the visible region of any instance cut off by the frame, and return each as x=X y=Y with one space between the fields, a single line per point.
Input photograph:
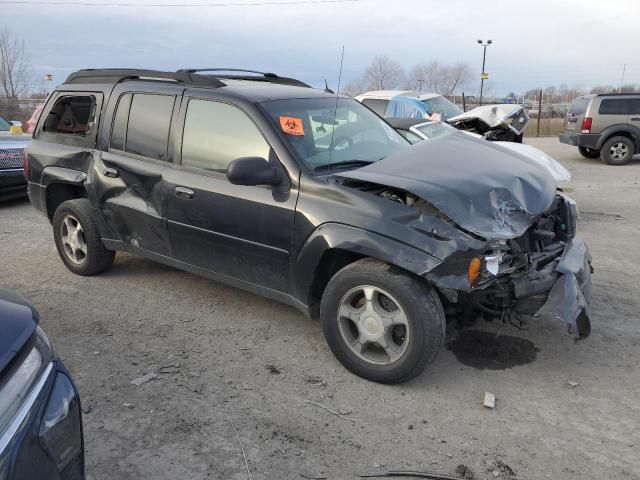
x=586 y=125
x=25 y=163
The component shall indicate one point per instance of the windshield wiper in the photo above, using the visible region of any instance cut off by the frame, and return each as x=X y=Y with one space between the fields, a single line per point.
x=344 y=164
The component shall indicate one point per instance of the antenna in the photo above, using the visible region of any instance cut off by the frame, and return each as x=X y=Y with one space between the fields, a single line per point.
x=326 y=87
x=335 y=110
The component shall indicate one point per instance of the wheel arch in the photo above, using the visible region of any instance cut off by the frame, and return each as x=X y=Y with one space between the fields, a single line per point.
x=333 y=246
x=62 y=184
x=625 y=130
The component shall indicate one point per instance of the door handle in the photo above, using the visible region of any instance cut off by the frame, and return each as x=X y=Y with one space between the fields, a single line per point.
x=111 y=172
x=184 y=193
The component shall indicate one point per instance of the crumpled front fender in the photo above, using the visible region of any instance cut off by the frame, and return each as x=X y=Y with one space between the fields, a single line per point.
x=570 y=296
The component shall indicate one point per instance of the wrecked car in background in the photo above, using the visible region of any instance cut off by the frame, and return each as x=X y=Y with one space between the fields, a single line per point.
x=308 y=198
x=503 y=122
x=416 y=130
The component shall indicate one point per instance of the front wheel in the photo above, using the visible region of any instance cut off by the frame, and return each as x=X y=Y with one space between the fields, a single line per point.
x=382 y=323
x=78 y=240
x=587 y=152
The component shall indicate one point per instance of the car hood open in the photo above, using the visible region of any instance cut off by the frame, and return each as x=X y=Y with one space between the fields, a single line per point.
x=485 y=189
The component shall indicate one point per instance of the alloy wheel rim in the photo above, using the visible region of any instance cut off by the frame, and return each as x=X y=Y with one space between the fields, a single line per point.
x=74 y=243
x=619 y=150
x=373 y=325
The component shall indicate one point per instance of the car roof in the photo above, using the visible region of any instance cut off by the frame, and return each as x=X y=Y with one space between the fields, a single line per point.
x=404 y=123
x=263 y=92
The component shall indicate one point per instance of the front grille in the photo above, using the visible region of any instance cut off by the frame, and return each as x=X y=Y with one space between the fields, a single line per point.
x=11 y=157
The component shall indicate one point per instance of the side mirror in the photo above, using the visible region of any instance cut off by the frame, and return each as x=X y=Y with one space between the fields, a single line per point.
x=253 y=171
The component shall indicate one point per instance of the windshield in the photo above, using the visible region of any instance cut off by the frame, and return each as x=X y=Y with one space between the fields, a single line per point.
x=436 y=129
x=4 y=125
x=444 y=107
x=328 y=138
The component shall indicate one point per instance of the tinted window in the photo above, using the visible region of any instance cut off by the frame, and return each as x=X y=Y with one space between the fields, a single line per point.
x=120 y=122
x=4 y=125
x=216 y=134
x=614 y=106
x=579 y=106
x=148 y=128
x=71 y=115
x=635 y=106
x=378 y=106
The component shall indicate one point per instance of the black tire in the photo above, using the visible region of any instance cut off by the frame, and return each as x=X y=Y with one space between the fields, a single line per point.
x=608 y=152
x=97 y=257
x=587 y=152
x=418 y=300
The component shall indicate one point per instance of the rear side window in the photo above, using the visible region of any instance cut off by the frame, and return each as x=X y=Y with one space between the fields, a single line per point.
x=579 y=106
x=71 y=115
x=377 y=105
x=147 y=131
x=216 y=133
x=614 y=106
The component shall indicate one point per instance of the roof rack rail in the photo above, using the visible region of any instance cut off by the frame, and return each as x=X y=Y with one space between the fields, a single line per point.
x=236 y=74
x=116 y=75
x=191 y=76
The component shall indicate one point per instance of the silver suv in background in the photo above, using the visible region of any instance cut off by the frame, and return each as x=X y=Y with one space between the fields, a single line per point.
x=605 y=126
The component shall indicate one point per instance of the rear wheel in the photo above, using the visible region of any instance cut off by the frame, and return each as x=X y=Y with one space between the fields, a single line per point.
x=381 y=323
x=587 y=152
x=617 y=150
x=78 y=240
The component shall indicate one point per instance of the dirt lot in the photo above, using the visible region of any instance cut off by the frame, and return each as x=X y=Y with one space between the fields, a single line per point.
x=229 y=359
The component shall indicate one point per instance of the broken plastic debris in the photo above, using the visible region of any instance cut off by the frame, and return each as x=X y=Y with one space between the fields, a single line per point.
x=144 y=379
x=489 y=400
x=492 y=263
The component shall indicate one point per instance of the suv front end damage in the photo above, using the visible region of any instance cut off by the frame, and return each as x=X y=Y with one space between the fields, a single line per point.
x=545 y=272
x=504 y=236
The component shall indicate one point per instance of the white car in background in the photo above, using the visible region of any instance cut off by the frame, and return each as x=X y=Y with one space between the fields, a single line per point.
x=416 y=130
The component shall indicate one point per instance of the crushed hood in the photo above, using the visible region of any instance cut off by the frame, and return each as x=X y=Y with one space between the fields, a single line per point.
x=483 y=188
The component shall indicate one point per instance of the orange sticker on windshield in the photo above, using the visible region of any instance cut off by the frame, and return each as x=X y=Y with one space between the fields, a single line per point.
x=292 y=125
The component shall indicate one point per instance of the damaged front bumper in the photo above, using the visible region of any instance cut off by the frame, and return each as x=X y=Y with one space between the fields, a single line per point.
x=563 y=288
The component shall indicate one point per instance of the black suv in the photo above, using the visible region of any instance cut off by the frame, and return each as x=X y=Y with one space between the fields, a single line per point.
x=605 y=125
x=309 y=198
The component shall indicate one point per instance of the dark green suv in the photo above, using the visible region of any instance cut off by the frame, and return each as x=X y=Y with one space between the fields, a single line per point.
x=604 y=125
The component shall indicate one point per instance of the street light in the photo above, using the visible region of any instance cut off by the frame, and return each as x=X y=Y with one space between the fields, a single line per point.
x=483 y=75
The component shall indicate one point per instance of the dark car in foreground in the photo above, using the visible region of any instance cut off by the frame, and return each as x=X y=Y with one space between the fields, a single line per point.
x=40 y=419
x=605 y=125
x=264 y=183
x=12 y=181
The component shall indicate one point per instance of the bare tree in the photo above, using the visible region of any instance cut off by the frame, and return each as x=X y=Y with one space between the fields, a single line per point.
x=383 y=74
x=15 y=69
x=354 y=87
x=436 y=78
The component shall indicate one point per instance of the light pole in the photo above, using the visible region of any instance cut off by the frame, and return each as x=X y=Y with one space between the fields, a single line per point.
x=483 y=75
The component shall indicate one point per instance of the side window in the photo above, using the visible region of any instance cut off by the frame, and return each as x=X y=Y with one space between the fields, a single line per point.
x=120 y=122
x=148 y=125
x=216 y=133
x=635 y=107
x=377 y=105
x=614 y=106
x=71 y=115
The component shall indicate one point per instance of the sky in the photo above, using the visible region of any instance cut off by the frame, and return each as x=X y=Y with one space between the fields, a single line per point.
x=536 y=43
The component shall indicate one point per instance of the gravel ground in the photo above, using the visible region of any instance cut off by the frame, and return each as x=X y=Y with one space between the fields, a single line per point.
x=227 y=360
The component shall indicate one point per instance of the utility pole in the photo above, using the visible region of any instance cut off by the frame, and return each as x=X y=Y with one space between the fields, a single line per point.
x=483 y=75
x=624 y=68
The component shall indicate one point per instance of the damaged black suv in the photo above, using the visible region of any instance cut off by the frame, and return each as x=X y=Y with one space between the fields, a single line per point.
x=309 y=198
